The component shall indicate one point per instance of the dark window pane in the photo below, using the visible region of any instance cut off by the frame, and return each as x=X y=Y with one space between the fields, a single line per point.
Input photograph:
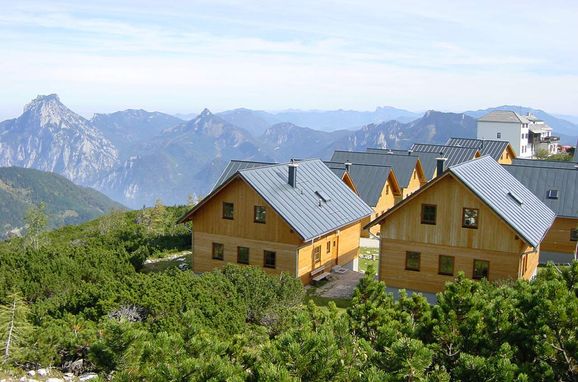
x=260 y=214
x=228 y=210
x=412 y=261
x=270 y=259
x=218 y=251
x=446 y=265
x=328 y=247
x=428 y=213
x=242 y=255
x=574 y=234
x=481 y=269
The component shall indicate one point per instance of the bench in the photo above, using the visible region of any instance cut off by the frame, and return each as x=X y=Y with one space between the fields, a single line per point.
x=319 y=274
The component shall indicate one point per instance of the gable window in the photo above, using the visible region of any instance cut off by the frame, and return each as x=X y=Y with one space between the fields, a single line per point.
x=218 y=251
x=412 y=261
x=470 y=217
x=446 y=265
x=269 y=259
x=481 y=269
x=428 y=213
x=387 y=189
x=552 y=194
x=574 y=234
x=242 y=255
x=317 y=254
x=260 y=214
x=328 y=247
x=499 y=135
x=228 y=210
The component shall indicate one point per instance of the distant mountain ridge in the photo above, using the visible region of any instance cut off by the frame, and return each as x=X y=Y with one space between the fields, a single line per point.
x=66 y=203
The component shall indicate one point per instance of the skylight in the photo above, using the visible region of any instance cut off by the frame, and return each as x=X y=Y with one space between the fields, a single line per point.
x=552 y=194
x=323 y=196
x=515 y=197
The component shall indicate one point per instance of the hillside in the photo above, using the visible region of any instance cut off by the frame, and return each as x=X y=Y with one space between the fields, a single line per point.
x=66 y=203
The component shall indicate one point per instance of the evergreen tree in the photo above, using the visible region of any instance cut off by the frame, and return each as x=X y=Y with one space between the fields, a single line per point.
x=14 y=326
x=36 y=221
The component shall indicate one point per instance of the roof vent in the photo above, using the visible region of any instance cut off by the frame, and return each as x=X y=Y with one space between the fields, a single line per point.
x=515 y=197
x=322 y=196
x=409 y=152
x=347 y=166
x=552 y=194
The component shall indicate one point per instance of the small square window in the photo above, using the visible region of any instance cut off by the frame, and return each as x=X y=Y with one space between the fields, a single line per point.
x=499 y=135
x=218 y=251
x=446 y=265
x=574 y=234
x=428 y=213
x=470 y=217
x=317 y=254
x=552 y=194
x=328 y=247
x=412 y=261
x=269 y=259
x=242 y=255
x=260 y=214
x=228 y=210
x=481 y=269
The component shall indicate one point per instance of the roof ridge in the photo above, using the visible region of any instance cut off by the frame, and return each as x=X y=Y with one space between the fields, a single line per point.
x=359 y=164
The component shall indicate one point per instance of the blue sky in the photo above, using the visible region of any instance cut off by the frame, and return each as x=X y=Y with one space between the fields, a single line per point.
x=177 y=56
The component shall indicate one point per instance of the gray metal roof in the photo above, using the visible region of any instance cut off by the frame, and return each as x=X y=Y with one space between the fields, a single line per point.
x=403 y=165
x=301 y=206
x=234 y=166
x=454 y=154
x=428 y=160
x=543 y=163
x=491 y=147
x=503 y=193
x=540 y=180
x=576 y=153
x=503 y=116
x=369 y=179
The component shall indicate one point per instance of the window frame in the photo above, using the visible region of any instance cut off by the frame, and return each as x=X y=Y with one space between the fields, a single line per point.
x=316 y=254
x=239 y=255
x=229 y=204
x=255 y=220
x=453 y=258
x=423 y=220
x=574 y=234
x=487 y=276
x=464 y=225
x=328 y=247
x=214 y=251
x=407 y=256
x=265 y=264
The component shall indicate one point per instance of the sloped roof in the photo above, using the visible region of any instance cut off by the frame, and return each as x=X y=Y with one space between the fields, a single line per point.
x=234 y=166
x=454 y=154
x=543 y=163
x=493 y=148
x=369 y=179
x=428 y=160
x=320 y=203
x=503 y=193
x=540 y=180
x=503 y=116
x=528 y=216
x=403 y=165
x=576 y=153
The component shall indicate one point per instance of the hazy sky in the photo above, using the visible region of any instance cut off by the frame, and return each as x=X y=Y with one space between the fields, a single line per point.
x=177 y=56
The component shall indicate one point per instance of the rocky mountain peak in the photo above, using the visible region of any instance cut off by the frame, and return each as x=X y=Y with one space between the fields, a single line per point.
x=206 y=113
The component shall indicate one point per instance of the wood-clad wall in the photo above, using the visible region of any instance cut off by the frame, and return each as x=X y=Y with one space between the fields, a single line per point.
x=414 y=184
x=506 y=157
x=209 y=218
x=558 y=237
x=392 y=264
x=386 y=200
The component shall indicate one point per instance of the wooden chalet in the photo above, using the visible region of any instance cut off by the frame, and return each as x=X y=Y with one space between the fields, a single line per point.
x=475 y=218
x=556 y=184
x=501 y=151
x=297 y=218
x=407 y=169
x=375 y=184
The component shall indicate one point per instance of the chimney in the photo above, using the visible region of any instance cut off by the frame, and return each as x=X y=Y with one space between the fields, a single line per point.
x=293 y=173
x=440 y=165
x=347 y=166
x=409 y=152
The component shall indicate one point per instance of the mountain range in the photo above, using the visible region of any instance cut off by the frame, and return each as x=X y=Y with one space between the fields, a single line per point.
x=136 y=156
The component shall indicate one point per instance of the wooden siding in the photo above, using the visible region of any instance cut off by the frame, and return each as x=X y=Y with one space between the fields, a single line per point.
x=450 y=197
x=392 y=264
x=415 y=183
x=386 y=200
x=558 y=237
x=203 y=248
x=531 y=257
x=507 y=155
x=209 y=219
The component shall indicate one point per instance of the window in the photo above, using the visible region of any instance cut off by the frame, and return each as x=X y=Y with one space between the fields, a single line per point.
x=387 y=189
x=552 y=194
x=242 y=255
x=260 y=214
x=228 y=210
x=328 y=247
x=269 y=259
x=412 y=261
x=499 y=135
x=428 y=213
x=481 y=269
x=574 y=234
x=470 y=217
x=446 y=265
x=218 y=251
x=317 y=254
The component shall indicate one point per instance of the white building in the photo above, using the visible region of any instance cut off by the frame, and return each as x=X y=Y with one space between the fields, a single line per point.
x=526 y=134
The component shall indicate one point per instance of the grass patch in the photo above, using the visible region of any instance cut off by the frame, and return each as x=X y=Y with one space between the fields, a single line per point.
x=341 y=303
x=365 y=263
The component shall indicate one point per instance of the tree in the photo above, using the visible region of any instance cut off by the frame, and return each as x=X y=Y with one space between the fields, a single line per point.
x=14 y=326
x=36 y=221
x=542 y=154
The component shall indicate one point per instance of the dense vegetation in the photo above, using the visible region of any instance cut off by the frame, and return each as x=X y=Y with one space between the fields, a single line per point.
x=80 y=304
x=66 y=203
